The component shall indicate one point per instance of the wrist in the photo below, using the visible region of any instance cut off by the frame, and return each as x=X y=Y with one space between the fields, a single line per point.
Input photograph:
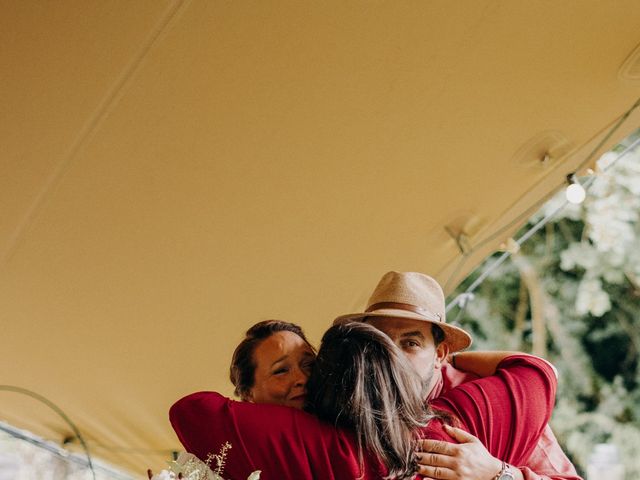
x=506 y=472
x=497 y=468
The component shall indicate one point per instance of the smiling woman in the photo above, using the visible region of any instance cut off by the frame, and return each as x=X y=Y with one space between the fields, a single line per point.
x=272 y=364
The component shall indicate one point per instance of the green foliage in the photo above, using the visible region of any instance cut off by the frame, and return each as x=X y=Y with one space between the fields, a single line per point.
x=587 y=262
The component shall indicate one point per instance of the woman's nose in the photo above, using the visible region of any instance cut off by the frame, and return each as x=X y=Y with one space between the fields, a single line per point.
x=301 y=377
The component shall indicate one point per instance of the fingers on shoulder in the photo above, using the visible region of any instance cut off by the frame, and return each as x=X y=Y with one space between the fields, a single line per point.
x=437 y=446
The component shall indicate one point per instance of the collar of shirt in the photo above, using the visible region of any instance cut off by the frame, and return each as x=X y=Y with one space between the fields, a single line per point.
x=449 y=378
x=437 y=388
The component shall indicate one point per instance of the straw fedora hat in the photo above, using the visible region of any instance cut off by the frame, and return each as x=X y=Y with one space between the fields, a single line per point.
x=414 y=296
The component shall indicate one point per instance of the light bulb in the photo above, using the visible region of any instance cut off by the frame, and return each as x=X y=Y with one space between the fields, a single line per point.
x=575 y=193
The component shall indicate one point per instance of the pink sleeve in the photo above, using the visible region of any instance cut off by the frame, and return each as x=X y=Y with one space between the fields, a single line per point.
x=507 y=411
x=282 y=442
x=548 y=461
x=529 y=474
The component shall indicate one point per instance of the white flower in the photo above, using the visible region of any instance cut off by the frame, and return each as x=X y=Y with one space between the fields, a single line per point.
x=592 y=298
x=611 y=223
x=192 y=468
x=606 y=160
x=164 y=475
x=579 y=255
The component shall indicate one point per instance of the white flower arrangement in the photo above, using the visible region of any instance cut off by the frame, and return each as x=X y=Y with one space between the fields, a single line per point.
x=190 y=467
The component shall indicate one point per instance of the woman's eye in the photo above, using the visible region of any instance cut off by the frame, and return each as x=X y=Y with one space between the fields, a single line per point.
x=280 y=370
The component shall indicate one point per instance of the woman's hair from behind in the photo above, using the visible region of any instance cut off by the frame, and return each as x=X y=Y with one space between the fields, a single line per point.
x=243 y=367
x=362 y=381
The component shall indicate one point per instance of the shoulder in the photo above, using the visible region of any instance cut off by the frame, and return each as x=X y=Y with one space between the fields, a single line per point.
x=514 y=376
x=452 y=377
x=435 y=431
x=525 y=359
x=195 y=412
x=200 y=407
x=198 y=402
x=529 y=368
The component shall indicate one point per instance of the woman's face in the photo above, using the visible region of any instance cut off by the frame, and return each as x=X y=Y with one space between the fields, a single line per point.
x=283 y=363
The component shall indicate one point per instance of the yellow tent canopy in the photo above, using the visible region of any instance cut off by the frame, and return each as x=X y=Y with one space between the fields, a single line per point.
x=174 y=171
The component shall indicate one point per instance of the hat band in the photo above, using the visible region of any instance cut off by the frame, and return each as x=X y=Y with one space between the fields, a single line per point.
x=405 y=306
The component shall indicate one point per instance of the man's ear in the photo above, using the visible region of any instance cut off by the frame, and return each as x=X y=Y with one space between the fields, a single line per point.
x=442 y=351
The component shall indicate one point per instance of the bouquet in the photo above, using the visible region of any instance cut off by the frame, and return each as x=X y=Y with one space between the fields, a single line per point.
x=189 y=467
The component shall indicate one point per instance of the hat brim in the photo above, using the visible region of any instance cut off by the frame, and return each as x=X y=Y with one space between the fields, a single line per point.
x=455 y=337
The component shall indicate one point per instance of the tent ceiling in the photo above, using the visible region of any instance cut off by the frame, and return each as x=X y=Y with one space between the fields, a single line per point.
x=173 y=171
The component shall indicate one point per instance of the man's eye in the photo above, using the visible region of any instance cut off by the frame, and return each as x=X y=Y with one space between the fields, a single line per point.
x=411 y=343
x=307 y=365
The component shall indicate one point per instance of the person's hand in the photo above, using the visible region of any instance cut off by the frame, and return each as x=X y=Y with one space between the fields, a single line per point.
x=468 y=460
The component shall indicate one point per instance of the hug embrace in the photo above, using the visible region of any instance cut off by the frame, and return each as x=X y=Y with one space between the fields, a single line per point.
x=388 y=394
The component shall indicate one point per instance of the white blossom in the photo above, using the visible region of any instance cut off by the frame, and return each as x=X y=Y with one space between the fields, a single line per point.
x=606 y=160
x=164 y=475
x=592 y=298
x=579 y=255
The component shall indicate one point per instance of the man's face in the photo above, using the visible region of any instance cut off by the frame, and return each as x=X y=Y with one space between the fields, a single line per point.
x=415 y=339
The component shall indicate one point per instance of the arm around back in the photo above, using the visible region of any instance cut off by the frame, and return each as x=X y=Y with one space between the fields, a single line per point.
x=485 y=363
x=282 y=442
x=507 y=411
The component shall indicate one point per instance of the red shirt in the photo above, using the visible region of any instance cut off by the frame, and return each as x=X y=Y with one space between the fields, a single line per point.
x=507 y=411
x=285 y=443
x=547 y=462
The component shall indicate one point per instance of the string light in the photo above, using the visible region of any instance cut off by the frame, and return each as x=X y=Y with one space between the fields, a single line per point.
x=575 y=192
x=463 y=297
x=532 y=208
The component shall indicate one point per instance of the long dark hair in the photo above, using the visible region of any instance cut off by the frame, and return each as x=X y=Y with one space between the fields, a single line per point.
x=243 y=366
x=362 y=381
